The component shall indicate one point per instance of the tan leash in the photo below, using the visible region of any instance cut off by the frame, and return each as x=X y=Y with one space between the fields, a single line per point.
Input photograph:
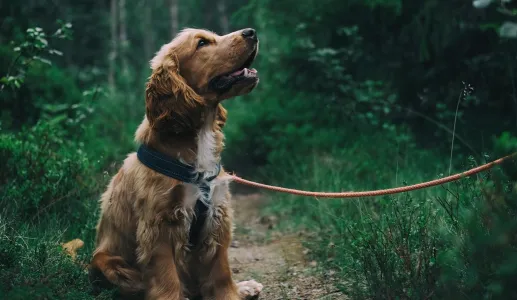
x=376 y=192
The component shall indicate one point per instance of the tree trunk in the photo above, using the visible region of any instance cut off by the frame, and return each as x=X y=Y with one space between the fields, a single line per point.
x=208 y=13
x=148 y=36
x=123 y=42
x=114 y=45
x=223 y=17
x=174 y=17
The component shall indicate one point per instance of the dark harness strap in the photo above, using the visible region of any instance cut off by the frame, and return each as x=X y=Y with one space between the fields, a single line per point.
x=201 y=210
x=173 y=168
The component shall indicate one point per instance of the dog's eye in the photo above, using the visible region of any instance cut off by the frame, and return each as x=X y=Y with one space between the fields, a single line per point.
x=201 y=43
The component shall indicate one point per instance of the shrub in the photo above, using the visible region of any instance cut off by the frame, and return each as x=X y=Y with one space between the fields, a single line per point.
x=390 y=254
x=41 y=173
x=480 y=260
x=24 y=62
x=49 y=189
x=111 y=123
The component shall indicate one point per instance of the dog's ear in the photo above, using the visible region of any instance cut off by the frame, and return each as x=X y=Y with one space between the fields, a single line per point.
x=221 y=116
x=169 y=100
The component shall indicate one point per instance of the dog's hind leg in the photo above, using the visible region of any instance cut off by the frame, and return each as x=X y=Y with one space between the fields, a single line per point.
x=105 y=269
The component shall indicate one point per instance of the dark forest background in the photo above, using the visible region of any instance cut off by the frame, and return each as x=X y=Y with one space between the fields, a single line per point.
x=354 y=95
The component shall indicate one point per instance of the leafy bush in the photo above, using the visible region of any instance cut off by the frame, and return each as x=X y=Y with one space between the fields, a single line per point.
x=481 y=258
x=24 y=104
x=390 y=253
x=55 y=144
x=110 y=119
x=49 y=189
x=322 y=102
x=41 y=173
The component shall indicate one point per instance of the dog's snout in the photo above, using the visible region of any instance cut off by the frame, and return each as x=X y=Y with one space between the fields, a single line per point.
x=249 y=33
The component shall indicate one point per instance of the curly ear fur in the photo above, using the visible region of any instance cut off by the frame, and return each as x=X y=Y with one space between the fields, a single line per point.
x=221 y=116
x=169 y=99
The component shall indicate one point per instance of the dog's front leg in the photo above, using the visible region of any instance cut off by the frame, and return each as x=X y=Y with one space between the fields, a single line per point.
x=215 y=267
x=161 y=239
x=220 y=278
x=216 y=276
x=156 y=259
x=223 y=285
x=161 y=275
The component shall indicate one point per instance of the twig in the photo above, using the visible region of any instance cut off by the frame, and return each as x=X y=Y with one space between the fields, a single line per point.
x=454 y=129
x=40 y=211
x=10 y=67
x=336 y=291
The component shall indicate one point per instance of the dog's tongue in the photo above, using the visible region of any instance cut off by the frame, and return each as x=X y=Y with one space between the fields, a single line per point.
x=244 y=72
x=237 y=73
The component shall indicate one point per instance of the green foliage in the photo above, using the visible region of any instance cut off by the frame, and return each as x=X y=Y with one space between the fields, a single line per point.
x=504 y=145
x=382 y=248
x=457 y=241
x=48 y=188
x=35 y=44
x=43 y=173
x=49 y=85
x=29 y=103
x=34 y=266
x=383 y=62
x=323 y=110
x=480 y=260
x=110 y=119
x=391 y=253
x=50 y=172
x=47 y=273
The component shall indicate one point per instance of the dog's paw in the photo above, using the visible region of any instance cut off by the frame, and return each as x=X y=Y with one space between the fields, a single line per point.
x=249 y=289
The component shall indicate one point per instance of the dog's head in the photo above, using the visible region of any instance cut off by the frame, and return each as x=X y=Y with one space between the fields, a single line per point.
x=199 y=69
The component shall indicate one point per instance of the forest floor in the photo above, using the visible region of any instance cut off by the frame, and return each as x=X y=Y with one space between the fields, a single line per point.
x=277 y=260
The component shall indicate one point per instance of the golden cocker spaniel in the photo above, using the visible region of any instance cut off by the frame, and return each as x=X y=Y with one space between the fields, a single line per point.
x=151 y=238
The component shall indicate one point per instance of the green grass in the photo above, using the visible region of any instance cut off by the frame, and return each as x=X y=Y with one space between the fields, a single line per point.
x=34 y=265
x=414 y=245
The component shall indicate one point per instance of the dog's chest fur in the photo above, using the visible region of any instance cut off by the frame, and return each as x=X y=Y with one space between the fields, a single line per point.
x=209 y=145
x=207 y=158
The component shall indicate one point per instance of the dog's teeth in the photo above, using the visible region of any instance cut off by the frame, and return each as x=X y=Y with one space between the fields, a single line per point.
x=246 y=72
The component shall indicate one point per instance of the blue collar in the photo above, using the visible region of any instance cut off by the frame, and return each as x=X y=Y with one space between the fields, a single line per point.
x=173 y=168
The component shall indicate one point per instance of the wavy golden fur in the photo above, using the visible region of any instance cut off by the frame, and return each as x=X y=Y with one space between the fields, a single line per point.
x=143 y=231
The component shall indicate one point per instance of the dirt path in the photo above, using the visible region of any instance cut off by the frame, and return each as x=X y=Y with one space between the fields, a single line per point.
x=277 y=261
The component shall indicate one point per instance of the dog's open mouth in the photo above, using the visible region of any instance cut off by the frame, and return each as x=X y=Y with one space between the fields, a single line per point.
x=224 y=82
x=244 y=70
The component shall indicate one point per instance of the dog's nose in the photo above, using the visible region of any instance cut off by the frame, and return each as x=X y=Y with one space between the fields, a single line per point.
x=249 y=33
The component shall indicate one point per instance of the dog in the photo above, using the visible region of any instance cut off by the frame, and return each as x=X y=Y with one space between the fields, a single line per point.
x=166 y=221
